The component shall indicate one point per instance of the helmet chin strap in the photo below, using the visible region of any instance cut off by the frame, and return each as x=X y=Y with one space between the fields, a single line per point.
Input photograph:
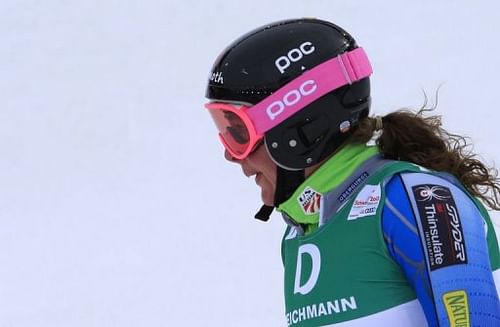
x=287 y=182
x=264 y=213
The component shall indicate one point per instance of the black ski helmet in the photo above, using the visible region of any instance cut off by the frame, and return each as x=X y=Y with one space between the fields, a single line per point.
x=265 y=59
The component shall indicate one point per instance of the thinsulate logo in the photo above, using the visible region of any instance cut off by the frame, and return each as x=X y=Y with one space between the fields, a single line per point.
x=442 y=226
x=457 y=307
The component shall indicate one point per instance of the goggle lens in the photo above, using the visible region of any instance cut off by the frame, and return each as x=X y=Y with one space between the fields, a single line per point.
x=232 y=130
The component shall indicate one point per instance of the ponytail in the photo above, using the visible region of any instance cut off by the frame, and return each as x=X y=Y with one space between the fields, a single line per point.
x=414 y=137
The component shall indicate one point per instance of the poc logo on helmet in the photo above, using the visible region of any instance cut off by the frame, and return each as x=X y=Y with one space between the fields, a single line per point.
x=294 y=55
x=291 y=98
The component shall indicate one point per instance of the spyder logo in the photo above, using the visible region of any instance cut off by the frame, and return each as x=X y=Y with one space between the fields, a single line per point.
x=429 y=192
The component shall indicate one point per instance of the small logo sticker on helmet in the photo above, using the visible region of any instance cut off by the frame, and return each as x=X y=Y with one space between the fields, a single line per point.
x=345 y=126
x=217 y=77
x=310 y=201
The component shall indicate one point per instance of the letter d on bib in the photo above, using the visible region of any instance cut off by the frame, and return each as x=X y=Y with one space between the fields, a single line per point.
x=313 y=251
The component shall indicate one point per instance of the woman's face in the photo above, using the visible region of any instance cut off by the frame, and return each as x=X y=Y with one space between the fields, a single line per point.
x=260 y=165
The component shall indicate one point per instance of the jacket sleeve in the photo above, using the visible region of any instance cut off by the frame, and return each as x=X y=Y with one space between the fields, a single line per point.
x=436 y=234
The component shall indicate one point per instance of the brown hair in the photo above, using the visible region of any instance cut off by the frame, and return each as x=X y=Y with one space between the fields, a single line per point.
x=415 y=137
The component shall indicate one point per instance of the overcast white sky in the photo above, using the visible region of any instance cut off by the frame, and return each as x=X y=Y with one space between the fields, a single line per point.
x=116 y=206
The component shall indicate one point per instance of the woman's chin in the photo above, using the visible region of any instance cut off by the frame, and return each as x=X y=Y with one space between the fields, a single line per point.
x=267 y=197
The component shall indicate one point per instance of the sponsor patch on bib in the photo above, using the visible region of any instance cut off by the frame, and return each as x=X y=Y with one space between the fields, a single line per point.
x=366 y=202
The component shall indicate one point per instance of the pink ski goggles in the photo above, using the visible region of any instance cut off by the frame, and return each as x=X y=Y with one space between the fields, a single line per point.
x=241 y=128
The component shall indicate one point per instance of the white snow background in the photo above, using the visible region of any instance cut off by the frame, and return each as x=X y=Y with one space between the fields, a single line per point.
x=116 y=205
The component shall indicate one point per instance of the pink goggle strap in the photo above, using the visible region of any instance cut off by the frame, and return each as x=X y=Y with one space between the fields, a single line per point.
x=344 y=69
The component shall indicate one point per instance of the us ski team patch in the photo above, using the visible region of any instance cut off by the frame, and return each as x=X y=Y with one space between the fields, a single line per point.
x=310 y=201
